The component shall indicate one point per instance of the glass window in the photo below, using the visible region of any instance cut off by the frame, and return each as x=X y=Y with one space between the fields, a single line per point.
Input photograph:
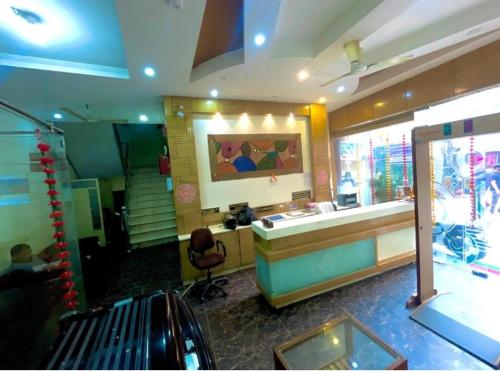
x=376 y=164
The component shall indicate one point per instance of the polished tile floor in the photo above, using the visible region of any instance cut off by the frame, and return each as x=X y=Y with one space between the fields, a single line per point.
x=242 y=328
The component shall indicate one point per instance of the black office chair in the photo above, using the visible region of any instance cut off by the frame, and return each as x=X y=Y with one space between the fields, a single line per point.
x=201 y=241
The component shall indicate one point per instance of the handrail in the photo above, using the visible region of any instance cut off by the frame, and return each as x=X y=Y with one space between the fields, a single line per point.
x=127 y=175
x=37 y=121
x=120 y=147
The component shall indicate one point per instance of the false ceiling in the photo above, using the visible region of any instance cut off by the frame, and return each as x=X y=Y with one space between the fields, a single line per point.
x=128 y=35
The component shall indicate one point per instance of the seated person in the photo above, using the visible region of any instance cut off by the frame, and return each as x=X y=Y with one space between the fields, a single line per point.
x=23 y=259
x=26 y=268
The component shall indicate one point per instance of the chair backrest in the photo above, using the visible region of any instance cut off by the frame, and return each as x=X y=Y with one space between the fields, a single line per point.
x=202 y=240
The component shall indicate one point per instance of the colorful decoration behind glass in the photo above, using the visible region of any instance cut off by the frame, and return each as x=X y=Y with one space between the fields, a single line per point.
x=241 y=156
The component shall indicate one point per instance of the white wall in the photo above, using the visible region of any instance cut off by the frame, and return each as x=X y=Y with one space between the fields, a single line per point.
x=255 y=191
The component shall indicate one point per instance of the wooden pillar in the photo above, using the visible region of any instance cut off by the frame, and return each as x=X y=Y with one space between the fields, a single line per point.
x=181 y=144
x=320 y=159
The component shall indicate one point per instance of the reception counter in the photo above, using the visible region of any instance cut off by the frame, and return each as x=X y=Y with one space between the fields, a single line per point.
x=302 y=257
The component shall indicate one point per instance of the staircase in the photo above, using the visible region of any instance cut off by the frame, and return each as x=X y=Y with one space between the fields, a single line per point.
x=150 y=207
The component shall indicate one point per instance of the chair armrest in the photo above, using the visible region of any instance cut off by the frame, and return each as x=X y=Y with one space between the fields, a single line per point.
x=191 y=256
x=220 y=243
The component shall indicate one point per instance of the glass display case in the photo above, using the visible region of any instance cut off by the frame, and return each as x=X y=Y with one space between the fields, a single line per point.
x=342 y=344
x=376 y=164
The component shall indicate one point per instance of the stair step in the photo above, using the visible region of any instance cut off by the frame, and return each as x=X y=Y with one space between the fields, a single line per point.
x=134 y=205
x=146 y=180
x=154 y=235
x=160 y=191
x=147 y=187
x=151 y=227
x=160 y=241
x=149 y=211
x=146 y=219
x=151 y=197
x=143 y=169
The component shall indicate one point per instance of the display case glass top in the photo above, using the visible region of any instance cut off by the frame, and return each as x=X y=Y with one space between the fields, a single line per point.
x=342 y=344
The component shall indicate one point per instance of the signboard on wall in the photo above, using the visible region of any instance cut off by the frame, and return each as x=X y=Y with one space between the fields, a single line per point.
x=242 y=156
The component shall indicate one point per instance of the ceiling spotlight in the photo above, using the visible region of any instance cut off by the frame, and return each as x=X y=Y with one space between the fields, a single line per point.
x=259 y=39
x=149 y=71
x=57 y=116
x=302 y=75
x=322 y=100
x=214 y=93
x=341 y=89
x=143 y=118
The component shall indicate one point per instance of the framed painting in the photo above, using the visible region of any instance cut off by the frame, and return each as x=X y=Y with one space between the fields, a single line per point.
x=239 y=156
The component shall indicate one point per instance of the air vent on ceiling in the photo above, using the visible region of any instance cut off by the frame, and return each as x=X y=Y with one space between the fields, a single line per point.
x=301 y=194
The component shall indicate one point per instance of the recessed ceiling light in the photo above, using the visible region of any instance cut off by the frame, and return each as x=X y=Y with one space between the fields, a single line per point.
x=341 y=89
x=322 y=100
x=149 y=71
x=143 y=118
x=302 y=75
x=259 y=39
x=57 y=116
x=214 y=93
x=394 y=61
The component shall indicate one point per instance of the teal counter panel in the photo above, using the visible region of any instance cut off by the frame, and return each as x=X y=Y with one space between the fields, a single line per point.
x=298 y=272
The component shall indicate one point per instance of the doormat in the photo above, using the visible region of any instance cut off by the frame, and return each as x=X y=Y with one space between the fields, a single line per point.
x=453 y=323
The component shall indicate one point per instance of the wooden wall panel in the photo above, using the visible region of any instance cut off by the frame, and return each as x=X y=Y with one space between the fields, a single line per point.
x=180 y=145
x=360 y=111
x=237 y=107
x=187 y=223
x=431 y=86
x=338 y=119
x=320 y=160
x=184 y=166
x=477 y=69
x=182 y=149
x=390 y=101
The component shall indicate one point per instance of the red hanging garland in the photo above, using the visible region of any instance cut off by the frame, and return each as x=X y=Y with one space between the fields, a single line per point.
x=472 y=180
x=405 y=162
x=371 y=164
x=47 y=162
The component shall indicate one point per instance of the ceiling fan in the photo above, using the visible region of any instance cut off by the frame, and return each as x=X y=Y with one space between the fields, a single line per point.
x=358 y=67
x=88 y=117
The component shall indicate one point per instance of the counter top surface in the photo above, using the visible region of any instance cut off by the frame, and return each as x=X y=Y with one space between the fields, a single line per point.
x=315 y=222
x=216 y=229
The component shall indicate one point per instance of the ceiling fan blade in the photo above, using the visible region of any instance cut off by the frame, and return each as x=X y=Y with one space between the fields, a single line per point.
x=335 y=79
x=69 y=111
x=382 y=65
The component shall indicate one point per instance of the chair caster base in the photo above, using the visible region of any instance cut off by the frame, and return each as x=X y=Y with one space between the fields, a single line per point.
x=212 y=286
